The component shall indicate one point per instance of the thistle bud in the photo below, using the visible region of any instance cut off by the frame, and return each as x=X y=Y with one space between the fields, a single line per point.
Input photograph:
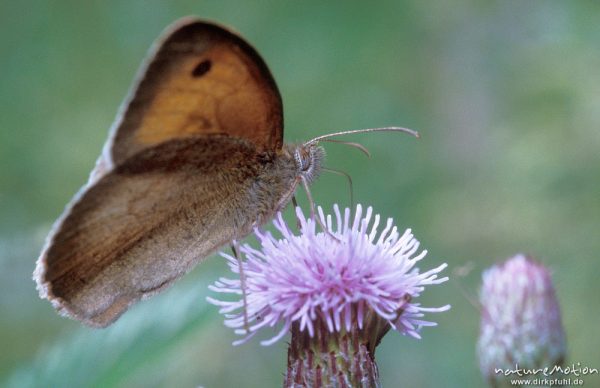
x=520 y=320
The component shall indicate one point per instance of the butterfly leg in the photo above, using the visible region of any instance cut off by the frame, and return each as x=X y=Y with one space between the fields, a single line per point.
x=295 y=204
x=313 y=215
x=235 y=249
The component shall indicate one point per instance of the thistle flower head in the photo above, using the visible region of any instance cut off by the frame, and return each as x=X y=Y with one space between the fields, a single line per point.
x=520 y=320
x=335 y=280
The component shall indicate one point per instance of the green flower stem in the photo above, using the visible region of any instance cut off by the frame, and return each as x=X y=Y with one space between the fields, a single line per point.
x=331 y=359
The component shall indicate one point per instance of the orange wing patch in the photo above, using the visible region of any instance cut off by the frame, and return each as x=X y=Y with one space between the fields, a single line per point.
x=201 y=80
x=218 y=101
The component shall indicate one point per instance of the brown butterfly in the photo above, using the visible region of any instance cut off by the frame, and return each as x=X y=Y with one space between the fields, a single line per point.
x=194 y=160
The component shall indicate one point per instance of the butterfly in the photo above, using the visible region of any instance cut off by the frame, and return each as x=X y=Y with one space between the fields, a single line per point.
x=195 y=159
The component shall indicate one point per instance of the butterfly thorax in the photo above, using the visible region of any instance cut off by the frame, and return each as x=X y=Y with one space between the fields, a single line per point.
x=277 y=182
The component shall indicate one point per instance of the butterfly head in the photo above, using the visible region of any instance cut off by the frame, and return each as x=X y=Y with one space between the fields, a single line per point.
x=309 y=159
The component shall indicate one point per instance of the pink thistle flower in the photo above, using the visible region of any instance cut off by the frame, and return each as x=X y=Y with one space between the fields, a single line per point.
x=314 y=280
x=520 y=321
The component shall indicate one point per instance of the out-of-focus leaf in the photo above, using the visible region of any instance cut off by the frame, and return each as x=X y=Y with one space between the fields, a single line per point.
x=109 y=357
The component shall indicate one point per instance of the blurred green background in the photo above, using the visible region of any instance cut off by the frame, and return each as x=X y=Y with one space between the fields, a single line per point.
x=506 y=95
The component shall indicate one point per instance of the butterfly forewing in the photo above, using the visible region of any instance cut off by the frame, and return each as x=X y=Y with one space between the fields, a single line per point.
x=200 y=79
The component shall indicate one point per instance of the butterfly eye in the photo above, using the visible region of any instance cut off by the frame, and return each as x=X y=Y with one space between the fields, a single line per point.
x=305 y=166
x=303 y=160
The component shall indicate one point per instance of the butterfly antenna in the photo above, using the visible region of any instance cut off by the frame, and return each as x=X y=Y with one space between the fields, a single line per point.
x=235 y=249
x=345 y=174
x=351 y=144
x=312 y=210
x=382 y=129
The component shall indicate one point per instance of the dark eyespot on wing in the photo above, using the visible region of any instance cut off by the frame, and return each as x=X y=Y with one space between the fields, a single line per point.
x=202 y=68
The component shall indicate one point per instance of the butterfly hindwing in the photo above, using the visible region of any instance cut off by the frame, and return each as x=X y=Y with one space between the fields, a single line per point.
x=146 y=223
